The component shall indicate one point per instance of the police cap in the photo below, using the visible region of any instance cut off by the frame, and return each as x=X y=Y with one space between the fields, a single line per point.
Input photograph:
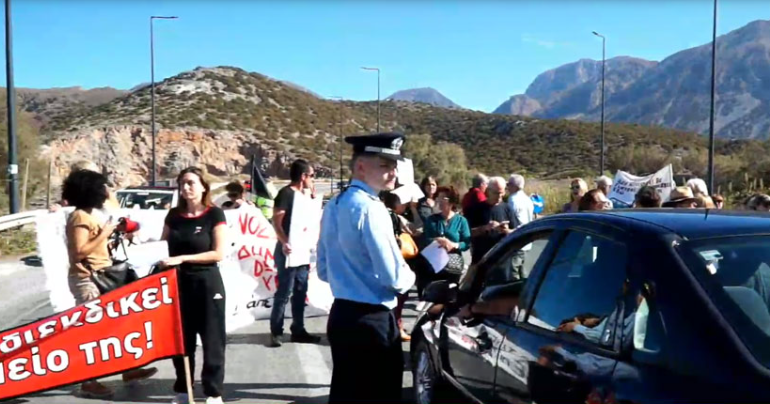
x=387 y=145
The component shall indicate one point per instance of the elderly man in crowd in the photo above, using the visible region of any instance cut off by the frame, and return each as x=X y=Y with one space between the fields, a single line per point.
x=604 y=184
x=493 y=220
x=524 y=212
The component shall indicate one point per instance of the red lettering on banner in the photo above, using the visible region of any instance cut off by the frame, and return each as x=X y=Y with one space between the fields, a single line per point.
x=266 y=280
x=243 y=253
x=121 y=330
x=259 y=268
x=243 y=220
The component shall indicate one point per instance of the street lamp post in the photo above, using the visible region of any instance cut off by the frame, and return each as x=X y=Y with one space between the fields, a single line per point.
x=152 y=92
x=13 y=167
x=339 y=140
x=378 y=94
x=713 y=96
x=601 y=142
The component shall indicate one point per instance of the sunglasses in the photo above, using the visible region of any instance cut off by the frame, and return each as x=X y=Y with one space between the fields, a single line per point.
x=575 y=187
x=311 y=175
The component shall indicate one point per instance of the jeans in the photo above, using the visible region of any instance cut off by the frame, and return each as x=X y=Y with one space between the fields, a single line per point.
x=290 y=280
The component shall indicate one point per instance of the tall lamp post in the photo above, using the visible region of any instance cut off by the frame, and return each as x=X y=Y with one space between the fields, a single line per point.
x=152 y=92
x=601 y=142
x=339 y=140
x=378 y=93
x=713 y=96
x=13 y=167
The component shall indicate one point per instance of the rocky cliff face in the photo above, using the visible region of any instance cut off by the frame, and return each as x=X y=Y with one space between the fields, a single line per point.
x=125 y=152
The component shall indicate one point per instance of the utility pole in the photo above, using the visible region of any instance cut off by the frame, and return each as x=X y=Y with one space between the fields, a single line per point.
x=713 y=98
x=13 y=167
x=152 y=91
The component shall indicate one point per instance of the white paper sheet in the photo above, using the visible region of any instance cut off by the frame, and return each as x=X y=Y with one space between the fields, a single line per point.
x=409 y=193
x=405 y=172
x=436 y=256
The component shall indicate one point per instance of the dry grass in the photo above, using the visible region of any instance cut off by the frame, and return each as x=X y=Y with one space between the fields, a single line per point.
x=18 y=242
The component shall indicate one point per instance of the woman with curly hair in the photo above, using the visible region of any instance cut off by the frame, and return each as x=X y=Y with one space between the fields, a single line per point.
x=87 y=239
x=195 y=231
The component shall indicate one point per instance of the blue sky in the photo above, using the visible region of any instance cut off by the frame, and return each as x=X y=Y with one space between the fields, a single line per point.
x=476 y=53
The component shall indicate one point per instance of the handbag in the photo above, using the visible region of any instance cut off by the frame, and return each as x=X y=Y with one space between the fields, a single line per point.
x=120 y=273
x=456 y=264
x=408 y=246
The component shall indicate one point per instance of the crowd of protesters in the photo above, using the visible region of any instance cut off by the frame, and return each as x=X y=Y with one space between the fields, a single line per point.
x=465 y=226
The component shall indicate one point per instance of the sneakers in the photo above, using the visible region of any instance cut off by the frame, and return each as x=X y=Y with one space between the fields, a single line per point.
x=276 y=341
x=94 y=389
x=136 y=375
x=214 y=400
x=305 y=338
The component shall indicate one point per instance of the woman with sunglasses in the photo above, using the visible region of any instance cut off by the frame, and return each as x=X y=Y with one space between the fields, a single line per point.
x=578 y=188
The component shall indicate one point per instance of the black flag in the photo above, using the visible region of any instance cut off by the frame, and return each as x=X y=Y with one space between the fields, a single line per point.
x=258 y=183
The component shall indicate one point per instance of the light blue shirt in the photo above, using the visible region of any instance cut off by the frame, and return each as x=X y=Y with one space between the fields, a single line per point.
x=357 y=251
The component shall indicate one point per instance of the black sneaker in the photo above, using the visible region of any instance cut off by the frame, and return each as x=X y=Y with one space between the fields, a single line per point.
x=276 y=341
x=305 y=338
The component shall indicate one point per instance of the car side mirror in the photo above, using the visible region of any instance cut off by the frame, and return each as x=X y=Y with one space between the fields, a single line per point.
x=440 y=292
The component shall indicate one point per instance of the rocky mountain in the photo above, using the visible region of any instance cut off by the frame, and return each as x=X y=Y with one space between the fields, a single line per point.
x=520 y=104
x=425 y=95
x=218 y=117
x=673 y=93
x=565 y=92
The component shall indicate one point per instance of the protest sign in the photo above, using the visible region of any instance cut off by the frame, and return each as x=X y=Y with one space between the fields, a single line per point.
x=625 y=186
x=304 y=230
x=127 y=328
x=248 y=268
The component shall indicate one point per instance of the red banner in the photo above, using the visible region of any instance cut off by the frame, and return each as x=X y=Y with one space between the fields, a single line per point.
x=121 y=330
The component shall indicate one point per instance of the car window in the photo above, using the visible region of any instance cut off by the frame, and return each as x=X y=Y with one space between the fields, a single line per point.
x=740 y=267
x=517 y=263
x=580 y=292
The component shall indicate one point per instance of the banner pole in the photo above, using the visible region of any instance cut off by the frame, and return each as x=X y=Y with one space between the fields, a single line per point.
x=188 y=380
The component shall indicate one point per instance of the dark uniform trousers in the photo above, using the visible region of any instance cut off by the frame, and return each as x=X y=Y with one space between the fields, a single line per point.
x=202 y=303
x=367 y=354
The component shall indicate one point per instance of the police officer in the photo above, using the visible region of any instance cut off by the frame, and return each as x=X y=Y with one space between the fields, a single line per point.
x=359 y=258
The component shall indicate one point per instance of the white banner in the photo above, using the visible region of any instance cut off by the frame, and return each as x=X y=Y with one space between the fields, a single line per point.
x=625 y=186
x=248 y=269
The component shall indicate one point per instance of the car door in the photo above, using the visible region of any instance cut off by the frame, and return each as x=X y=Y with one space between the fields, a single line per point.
x=474 y=333
x=563 y=347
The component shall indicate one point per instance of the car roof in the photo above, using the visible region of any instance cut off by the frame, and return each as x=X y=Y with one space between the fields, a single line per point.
x=691 y=224
x=149 y=188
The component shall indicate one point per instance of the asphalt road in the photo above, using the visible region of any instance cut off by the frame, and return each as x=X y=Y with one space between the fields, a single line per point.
x=255 y=373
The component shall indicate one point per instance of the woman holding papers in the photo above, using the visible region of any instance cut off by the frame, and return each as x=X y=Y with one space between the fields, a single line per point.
x=451 y=232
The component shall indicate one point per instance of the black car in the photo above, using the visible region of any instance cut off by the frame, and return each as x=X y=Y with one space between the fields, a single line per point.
x=628 y=306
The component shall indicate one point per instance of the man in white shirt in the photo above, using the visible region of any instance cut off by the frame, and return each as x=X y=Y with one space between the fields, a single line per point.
x=524 y=212
x=520 y=203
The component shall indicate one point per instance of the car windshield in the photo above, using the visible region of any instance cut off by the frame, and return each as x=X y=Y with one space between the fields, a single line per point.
x=738 y=268
x=145 y=199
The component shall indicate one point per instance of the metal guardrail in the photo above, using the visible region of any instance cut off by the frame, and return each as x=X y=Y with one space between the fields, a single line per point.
x=19 y=219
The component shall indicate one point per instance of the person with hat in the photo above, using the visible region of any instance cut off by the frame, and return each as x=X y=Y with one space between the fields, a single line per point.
x=360 y=259
x=682 y=198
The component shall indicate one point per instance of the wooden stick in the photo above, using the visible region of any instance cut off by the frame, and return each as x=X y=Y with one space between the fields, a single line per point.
x=24 y=187
x=188 y=379
x=48 y=192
